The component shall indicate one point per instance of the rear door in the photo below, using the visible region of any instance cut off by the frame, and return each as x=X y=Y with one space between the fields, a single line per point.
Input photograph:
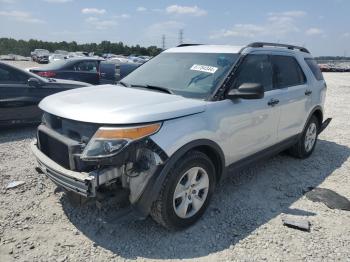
x=16 y=104
x=292 y=94
x=108 y=73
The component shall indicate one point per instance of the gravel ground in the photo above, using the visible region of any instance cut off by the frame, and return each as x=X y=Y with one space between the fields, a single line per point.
x=243 y=222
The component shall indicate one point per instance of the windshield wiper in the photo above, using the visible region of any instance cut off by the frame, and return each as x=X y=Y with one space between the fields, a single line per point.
x=199 y=78
x=159 y=88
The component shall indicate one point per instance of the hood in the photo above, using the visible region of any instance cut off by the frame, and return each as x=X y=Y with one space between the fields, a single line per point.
x=111 y=104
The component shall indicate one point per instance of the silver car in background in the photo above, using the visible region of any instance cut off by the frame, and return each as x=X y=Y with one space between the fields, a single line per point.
x=173 y=128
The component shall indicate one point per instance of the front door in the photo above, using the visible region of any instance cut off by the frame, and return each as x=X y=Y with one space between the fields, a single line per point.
x=16 y=104
x=250 y=125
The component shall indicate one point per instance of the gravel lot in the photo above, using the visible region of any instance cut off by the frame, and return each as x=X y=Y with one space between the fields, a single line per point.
x=243 y=222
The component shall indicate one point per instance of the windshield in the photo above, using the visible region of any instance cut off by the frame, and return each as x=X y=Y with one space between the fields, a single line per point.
x=193 y=75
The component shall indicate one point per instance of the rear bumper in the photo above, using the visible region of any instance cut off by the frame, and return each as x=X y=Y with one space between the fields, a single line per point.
x=78 y=182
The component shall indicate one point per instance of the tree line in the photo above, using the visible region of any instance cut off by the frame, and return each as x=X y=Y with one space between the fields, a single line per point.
x=23 y=47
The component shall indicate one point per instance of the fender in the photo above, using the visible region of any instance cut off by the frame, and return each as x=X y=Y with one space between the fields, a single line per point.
x=318 y=107
x=152 y=190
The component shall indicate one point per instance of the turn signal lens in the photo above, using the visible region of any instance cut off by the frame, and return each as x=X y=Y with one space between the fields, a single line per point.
x=131 y=133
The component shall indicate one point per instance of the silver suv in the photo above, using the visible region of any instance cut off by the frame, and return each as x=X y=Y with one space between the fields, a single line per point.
x=173 y=128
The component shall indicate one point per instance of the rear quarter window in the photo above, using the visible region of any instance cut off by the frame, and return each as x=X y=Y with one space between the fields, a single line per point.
x=314 y=68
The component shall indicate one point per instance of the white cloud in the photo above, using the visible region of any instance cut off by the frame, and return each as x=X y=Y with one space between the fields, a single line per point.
x=276 y=24
x=296 y=13
x=101 y=24
x=93 y=11
x=314 y=31
x=7 y=1
x=124 y=16
x=141 y=9
x=58 y=1
x=164 y=27
x=20 y=16
x=346 y=35
x=186 y=10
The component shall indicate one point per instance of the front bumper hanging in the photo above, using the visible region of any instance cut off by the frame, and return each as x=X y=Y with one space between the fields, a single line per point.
x=324 y=125
x=79 y=182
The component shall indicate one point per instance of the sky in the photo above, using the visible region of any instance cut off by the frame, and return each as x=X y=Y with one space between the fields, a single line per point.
x=320 y=25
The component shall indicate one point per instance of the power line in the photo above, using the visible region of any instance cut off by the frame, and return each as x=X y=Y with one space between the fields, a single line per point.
x=163 y=42
x=181 y=36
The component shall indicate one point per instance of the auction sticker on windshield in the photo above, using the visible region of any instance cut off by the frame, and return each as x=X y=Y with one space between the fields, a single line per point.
x=204 y=68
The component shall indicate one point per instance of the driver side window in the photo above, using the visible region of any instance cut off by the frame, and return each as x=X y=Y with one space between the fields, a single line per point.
x=255 y=69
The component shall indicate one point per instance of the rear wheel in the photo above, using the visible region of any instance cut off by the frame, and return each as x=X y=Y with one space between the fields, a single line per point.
x=186 y=192
x=307 y=141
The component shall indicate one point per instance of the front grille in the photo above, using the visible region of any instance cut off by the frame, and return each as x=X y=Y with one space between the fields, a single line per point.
x=54 y=149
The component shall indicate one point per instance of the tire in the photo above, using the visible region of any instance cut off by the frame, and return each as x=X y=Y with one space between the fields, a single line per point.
x=169 y=210
x=302 y=149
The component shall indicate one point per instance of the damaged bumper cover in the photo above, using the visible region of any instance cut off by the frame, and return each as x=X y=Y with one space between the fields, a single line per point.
x=324 y=125
x=80 y=182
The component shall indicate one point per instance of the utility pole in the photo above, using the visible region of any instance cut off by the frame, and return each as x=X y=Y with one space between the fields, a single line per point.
x=163 y=42
x=181 y=36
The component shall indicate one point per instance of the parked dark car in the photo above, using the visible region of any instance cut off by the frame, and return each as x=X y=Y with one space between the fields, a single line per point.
x=21 y=92
x=112 y=72
x=86 y=69
x=40 y=56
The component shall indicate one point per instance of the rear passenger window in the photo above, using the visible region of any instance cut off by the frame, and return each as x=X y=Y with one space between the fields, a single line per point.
x=86 y=66
x=314 y=68
x=287 y=72
x=255 y=69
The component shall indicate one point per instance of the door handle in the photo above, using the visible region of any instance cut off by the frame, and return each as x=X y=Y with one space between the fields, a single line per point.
x=308 y=92
x=273 y=102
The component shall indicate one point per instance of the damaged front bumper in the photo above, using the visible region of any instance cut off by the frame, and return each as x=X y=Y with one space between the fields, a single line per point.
x=82 y=183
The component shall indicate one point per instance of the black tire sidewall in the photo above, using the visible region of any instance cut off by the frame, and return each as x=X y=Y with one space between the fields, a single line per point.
x=193 y=160
x=304 y=152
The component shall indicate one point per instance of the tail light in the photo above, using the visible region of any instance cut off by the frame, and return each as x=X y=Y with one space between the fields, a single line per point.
x=46 y=74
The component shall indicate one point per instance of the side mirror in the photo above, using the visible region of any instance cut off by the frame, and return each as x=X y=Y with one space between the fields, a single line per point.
x=34 y=82
x=247 y=91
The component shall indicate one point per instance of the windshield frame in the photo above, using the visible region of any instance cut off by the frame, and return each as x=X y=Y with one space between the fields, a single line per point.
x=219 y=93
x=210 y=96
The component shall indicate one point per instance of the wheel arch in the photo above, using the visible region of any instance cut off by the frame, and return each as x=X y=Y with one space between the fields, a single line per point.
x=318 y=113
x=206 y=146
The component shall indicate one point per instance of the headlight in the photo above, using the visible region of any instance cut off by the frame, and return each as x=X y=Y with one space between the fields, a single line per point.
x=108 y=141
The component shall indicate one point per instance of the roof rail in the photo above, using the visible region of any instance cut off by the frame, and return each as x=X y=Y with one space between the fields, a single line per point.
x=182 y=45
x=291 y=47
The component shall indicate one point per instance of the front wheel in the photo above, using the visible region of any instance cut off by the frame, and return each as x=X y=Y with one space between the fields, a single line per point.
x=186 y=192
x=307 y=141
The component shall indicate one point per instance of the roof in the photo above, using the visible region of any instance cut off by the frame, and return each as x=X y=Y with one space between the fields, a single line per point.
x=205 y=49
x=237 y=49
x=88 y=58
